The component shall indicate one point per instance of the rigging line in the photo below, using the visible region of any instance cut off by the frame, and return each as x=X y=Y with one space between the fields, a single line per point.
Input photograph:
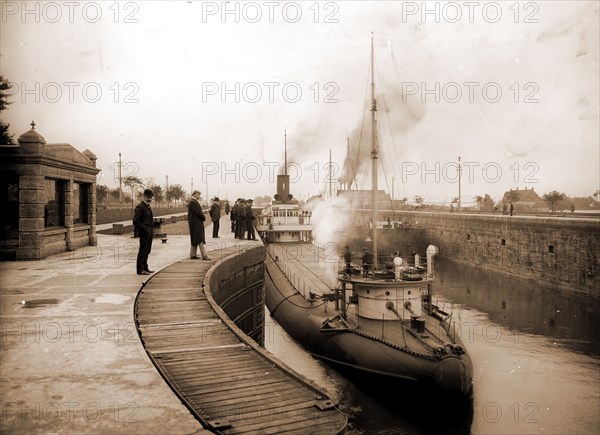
x=360 y=136
x=393 y=146
x=317 y=276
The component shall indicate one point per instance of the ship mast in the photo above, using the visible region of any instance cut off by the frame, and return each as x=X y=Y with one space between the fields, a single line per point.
x=374 y=157
x=285 y=151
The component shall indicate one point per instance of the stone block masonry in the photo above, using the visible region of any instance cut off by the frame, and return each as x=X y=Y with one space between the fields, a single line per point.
x=48 y=198
x=559 y=252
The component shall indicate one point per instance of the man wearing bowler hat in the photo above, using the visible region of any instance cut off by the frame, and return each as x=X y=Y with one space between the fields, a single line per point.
x=143 y=221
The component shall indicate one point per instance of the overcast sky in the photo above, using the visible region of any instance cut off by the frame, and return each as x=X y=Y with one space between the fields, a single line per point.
x=191 y=90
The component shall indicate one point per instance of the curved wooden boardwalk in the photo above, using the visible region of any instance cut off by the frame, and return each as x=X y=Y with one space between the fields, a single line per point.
x=226 y=380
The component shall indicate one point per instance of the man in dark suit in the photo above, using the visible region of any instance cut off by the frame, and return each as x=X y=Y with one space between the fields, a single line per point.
x=196 y=220
x=215 y=216
x=240 y=220
x=250 y=217
x=143 y=221
x=367 y=259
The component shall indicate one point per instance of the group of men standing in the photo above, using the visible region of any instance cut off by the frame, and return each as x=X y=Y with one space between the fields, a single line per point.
x=242 y=223
x=242 y=219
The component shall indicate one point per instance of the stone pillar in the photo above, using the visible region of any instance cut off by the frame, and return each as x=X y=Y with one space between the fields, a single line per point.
x=31 y=199
x=69 y=214
x=92 y=206
x=92 y=198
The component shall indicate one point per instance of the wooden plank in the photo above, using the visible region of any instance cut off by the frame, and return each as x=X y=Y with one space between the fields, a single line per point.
x=274 y=389
x=218 y=375
x=236 y=405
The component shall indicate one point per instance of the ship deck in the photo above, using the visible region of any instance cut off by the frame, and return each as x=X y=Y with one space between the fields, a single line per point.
x=310 y=268
x=307 y=266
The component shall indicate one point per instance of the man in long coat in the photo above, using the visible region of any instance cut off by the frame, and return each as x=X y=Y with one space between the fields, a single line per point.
x=196 y=220
x=240 y=220
x=143 y=221
x=215 y=216
x=250 y=217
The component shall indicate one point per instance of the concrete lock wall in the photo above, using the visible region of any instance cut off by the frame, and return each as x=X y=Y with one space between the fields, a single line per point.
x=237 y=286
x=554 y=251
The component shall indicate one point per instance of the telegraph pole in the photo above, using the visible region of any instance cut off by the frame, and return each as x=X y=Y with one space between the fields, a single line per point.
x=459 y=171
x=330 y=192
x=120 y=183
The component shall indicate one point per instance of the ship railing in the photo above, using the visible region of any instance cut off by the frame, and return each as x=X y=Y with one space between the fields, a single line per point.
x=410 y=268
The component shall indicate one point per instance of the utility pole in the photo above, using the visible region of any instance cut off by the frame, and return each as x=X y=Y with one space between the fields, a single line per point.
x=459 y=174
x=330 y=180
x=120 y=183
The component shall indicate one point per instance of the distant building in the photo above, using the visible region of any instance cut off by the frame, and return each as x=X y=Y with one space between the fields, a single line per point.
x=315 y=199
x=362 y=199
x=47 y=196
x=523 y=199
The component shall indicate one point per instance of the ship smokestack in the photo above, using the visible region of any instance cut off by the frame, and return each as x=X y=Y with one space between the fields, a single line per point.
x=283 y=181
x=283 y=187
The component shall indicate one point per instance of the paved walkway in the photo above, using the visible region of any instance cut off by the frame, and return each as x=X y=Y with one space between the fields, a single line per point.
x=71 y=361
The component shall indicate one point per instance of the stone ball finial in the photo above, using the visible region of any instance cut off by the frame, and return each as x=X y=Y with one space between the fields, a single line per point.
x=32 y=136
x=31 y=142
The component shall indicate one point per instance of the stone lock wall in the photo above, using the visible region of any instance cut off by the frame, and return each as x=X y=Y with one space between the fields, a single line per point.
x=554 y=251
x=237 y=286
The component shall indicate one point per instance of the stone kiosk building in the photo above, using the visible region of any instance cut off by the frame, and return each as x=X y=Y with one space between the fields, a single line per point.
x=47 y=196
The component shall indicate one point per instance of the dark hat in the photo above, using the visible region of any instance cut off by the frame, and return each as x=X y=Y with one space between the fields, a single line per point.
x=216 y=198
x=250 y=200
x=148 y=193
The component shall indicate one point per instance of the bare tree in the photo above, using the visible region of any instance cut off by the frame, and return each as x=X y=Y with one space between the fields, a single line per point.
x=133 y=182
x=157 y=190
x=553 y=198
x=176 y=192
x=513 y=196
x=101 y=193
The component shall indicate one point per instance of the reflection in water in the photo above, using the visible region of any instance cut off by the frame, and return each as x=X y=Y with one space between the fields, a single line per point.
x=523 y=306
x=536 y=358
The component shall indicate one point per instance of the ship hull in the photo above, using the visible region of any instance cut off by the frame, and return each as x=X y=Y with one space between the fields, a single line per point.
x=360 y=350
